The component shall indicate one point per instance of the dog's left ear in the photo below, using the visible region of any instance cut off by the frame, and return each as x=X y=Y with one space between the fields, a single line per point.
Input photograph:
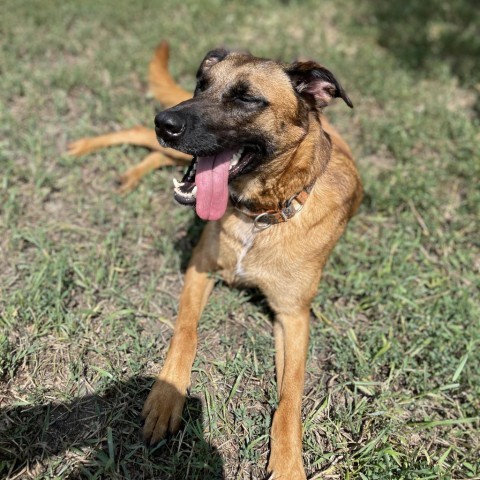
x=316 y=82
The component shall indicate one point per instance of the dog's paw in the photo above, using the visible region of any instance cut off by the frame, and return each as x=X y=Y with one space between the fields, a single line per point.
x=286 y=446
x=129 y=180
x=80 y=147
x=285 y=469
x=162 y=411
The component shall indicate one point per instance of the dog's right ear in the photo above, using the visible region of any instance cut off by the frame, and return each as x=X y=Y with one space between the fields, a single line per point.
x=211 y=59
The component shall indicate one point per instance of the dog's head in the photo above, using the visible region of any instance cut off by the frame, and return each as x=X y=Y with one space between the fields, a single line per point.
x=245 y=112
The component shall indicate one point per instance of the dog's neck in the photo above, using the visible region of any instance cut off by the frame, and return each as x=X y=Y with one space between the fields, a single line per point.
x=288 y=174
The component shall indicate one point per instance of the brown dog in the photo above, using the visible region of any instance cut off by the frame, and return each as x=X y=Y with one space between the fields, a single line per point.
x=279 y=186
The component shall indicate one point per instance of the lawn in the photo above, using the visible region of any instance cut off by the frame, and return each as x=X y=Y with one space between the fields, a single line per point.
x=89 y=278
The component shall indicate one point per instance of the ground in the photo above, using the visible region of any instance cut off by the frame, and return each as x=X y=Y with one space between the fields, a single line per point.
x=89 y=279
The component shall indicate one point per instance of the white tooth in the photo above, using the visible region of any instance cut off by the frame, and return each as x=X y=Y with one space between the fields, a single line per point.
x=178 y=184
x=194 y=191
x=236 y=157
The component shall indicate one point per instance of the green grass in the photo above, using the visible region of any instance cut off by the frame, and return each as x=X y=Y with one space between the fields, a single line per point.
x=89 y=280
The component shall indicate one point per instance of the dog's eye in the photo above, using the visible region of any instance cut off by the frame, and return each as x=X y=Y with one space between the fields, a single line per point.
x=246 y=99
x=250 y=99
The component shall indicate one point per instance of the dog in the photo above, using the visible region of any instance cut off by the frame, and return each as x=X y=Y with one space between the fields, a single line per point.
x=277 y=186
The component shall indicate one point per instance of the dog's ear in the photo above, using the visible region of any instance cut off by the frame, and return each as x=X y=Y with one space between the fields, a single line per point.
x=316 y=83
x=211 y=58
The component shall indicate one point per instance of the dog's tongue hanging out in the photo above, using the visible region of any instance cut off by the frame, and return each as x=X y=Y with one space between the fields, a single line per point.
x=212 y=185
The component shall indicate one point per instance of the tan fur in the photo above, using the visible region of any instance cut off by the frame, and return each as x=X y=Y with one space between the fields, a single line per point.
x=162 y=85
x=285 y=261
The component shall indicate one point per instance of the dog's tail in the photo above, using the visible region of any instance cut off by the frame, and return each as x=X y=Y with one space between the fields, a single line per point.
x=162 y=85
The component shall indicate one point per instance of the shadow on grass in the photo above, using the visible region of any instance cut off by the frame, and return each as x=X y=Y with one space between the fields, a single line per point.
x=106 y=427
x=422 y=33
x=188 y=242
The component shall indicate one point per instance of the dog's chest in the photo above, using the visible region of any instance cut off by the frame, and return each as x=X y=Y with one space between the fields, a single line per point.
x=246 y=238
x=240 y=240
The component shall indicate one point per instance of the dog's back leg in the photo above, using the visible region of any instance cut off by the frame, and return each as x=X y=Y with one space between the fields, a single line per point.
x=164 y=89
x=139 y=135
x=169 y=93
x=130 y=179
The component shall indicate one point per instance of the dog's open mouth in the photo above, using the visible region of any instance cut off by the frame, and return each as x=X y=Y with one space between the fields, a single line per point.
x=205 y=184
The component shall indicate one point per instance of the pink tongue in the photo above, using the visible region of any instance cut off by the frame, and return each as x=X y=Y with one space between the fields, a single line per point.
x=211 y=179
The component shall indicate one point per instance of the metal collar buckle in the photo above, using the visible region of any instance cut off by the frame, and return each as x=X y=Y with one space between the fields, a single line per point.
x=264 y=221
x=267 y=219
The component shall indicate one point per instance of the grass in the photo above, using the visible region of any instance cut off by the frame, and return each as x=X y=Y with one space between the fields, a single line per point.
x=89 y=280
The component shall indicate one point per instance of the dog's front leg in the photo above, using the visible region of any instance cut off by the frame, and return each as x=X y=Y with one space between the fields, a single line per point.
x=291 y=342
x=163 y=408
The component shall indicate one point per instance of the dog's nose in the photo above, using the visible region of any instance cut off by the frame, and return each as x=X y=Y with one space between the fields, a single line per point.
x=169 y=125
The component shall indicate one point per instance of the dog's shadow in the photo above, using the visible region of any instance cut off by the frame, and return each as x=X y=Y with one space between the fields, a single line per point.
x=105 y=427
